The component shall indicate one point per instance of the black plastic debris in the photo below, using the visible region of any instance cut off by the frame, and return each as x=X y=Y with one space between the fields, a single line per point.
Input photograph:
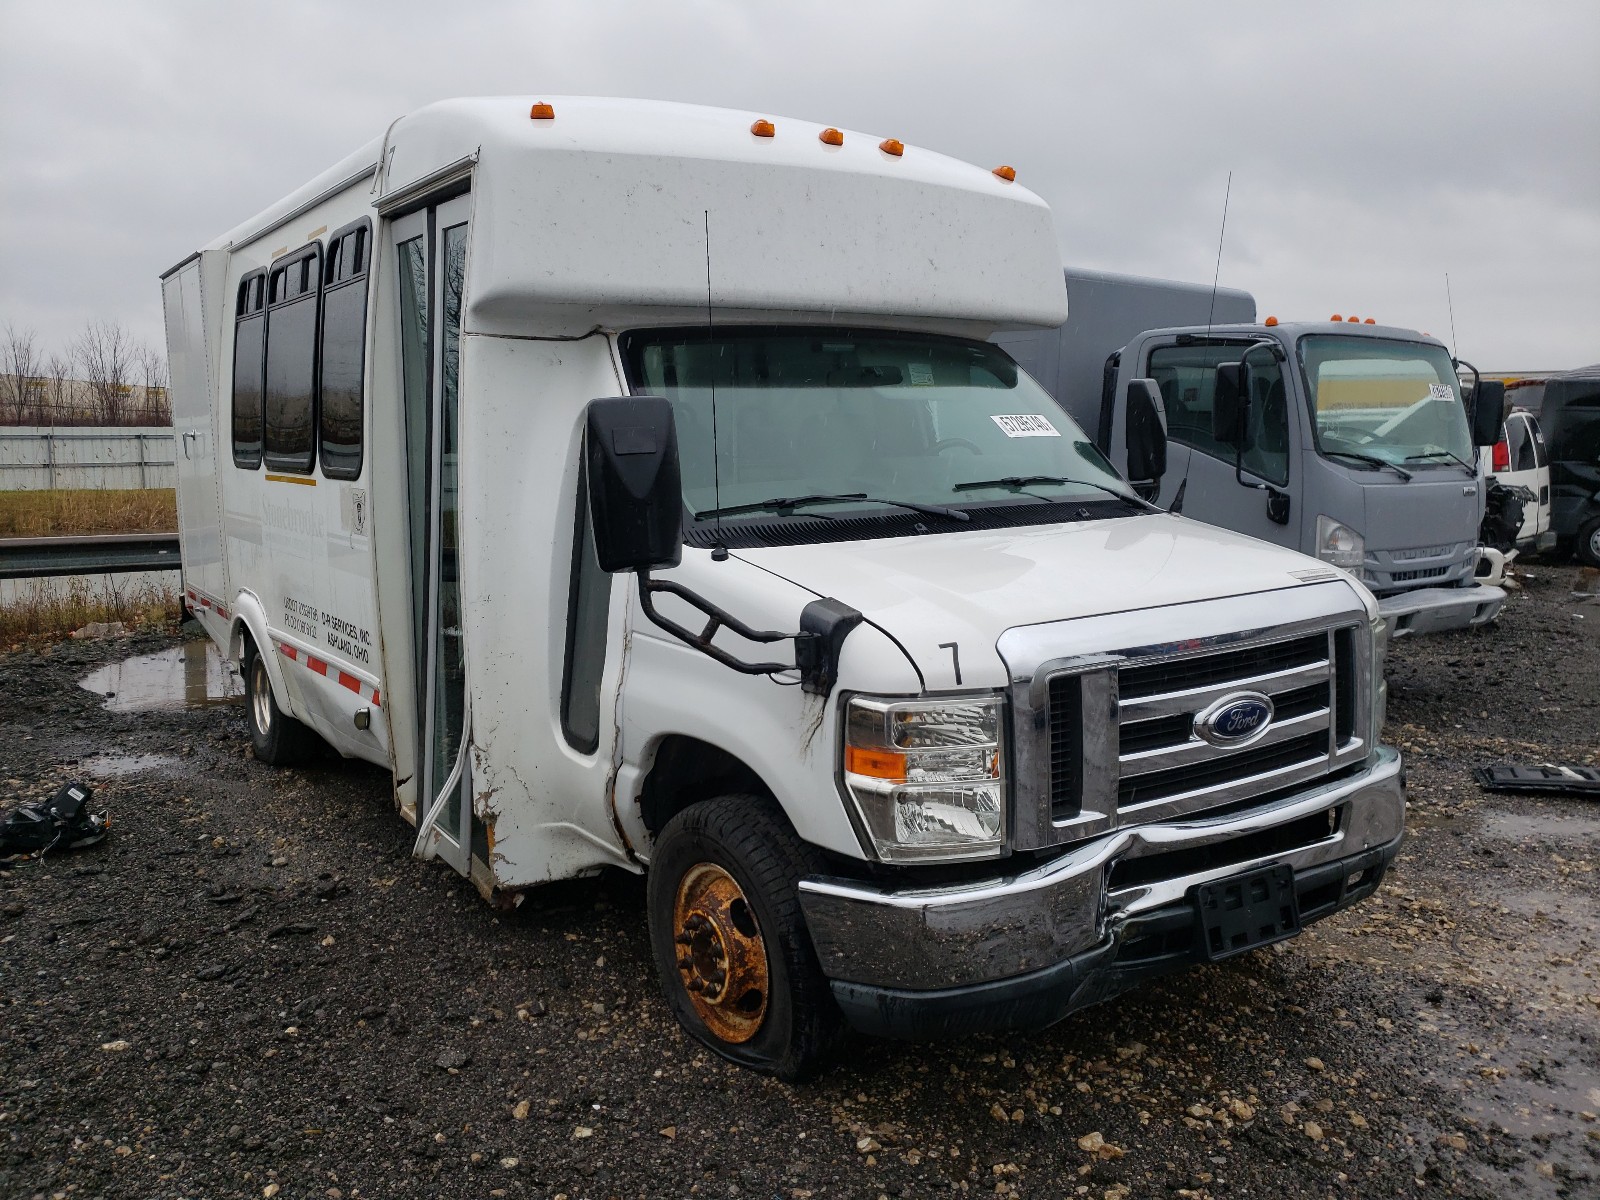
x=62 y=822
x=1557 y=778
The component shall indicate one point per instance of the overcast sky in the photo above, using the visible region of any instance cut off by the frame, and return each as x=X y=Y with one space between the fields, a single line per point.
x=1374 y=146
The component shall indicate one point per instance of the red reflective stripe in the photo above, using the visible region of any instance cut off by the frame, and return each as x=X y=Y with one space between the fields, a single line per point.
x=221 y=612
x=375 y=703
x=289 y=651
x=351 y=682
x=317 y=665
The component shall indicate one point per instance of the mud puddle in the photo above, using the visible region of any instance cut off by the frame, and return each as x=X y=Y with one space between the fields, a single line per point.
x=193 y=675
x=116 y=766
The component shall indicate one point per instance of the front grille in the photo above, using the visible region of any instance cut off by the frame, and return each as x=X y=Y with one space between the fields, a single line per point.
x=1206 y=669
x=1164 y=768
x=1427 y=573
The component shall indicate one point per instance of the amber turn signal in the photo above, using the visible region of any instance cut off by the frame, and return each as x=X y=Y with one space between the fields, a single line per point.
x=1009 y=174
x=879 y=764
x=541 y=112
x=763 y=128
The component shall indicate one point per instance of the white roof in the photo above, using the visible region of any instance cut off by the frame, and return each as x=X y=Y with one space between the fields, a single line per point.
x=597 y=218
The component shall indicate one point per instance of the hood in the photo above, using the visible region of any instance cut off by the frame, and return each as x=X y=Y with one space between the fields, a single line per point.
x=965 y=589
x=1438 y=505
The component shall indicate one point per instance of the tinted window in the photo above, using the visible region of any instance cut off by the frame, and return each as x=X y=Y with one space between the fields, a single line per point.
x=344 y=326
x=588 y=601
x=1520 y=444
x=248 y=334
x=292 y=364
x=1187 y=377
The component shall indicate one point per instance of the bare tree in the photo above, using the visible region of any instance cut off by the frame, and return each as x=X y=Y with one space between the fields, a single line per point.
x=19 y=363
x=106 y=358
x=157 y=402
x=52 y=405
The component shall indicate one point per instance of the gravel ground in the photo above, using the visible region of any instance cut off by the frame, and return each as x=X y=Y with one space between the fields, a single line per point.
x=250 y=989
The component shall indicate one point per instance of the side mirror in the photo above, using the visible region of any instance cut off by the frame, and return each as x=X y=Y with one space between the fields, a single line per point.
x=1146 y=433
x=635 y=494
x=1228 y=399
x=1488 y=411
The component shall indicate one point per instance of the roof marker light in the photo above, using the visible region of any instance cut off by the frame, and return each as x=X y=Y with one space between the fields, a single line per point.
x=831 y=137
x=892 y=146
x=1336 y=317
x=1009 y=174
x=541 y=112
x=1353 y=320
x=1270 y=322
x=1370 y=321
x=763 y=128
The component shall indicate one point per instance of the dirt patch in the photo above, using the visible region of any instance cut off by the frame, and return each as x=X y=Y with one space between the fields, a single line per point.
x=250 y=988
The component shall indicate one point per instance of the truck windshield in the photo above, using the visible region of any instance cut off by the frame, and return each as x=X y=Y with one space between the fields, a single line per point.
x=826 y=424
x=1399 y=402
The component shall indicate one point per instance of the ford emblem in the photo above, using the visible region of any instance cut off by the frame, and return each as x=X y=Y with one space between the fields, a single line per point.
x=1235 y=720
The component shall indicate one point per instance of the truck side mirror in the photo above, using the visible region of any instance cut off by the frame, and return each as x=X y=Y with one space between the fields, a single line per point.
x=635 y=494
x=1488 y=411
x=1146 y=436
x=1228 y=400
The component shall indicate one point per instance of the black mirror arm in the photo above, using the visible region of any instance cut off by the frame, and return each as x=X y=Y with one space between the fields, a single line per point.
x=717 y=619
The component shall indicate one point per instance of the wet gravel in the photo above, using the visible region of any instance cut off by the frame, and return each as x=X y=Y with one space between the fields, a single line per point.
x=250 y=989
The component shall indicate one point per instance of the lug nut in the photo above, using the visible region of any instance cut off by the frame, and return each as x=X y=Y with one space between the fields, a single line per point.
x=683 y=939
x=685 y=963
x=716 y=951
x=696 y=984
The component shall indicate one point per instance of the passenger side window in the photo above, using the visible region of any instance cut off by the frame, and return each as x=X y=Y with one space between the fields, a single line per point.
x=294 y=288
x=588 y=608
x=1187 y=377
x=343 y=351
x=249 y=335
x=1520 y=443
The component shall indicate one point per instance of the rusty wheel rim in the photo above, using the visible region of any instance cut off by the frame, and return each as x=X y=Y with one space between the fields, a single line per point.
x=721 y=957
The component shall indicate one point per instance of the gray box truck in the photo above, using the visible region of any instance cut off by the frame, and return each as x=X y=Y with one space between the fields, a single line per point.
x=1344 y=439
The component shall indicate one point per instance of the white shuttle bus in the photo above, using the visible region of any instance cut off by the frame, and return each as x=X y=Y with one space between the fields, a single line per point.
x=636 y=483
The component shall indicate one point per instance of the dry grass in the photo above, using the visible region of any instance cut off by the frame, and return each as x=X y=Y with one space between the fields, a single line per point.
x=59 y=512
x=42 y=609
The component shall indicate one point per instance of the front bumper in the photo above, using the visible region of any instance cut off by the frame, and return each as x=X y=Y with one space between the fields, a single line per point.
x=1025 y=950
x=1430 y=610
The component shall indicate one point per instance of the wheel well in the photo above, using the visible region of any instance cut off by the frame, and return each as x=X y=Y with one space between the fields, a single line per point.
x=687 y=770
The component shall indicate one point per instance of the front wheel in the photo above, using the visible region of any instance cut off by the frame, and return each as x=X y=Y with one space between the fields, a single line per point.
x=1588 y=546
x=730 y=941
x=278 y=739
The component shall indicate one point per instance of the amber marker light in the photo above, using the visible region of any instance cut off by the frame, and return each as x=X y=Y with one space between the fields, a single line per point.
x=892 y=146
x=763 y=128
x=1270 y=322
x=541 y=112
x=1336 y=317
x=1370 y=321
x=1352 y=320
x=877 y=764
x=831 y=137
x=1009 y=174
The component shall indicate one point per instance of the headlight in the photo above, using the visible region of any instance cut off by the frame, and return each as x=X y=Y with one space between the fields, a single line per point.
x=1340 y=545
x=927 y=776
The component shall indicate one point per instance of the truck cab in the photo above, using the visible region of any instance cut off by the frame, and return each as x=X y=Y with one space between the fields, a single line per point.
x=1347 y=441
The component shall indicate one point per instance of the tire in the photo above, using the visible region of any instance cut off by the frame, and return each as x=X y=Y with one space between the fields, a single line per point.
x=1588 y=544
x=279 y=740
x=722 y=896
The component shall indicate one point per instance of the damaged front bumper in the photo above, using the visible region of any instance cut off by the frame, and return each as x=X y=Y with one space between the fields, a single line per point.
x=1025 y=950
x=1431 y=610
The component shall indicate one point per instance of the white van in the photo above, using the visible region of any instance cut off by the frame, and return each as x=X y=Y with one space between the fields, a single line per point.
x=918 y=718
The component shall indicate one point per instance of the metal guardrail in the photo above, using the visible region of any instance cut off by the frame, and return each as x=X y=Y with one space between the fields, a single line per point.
x=90 y=554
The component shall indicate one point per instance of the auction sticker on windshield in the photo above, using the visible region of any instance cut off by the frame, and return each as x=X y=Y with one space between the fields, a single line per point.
x=1440 y=391
x=1025 y=425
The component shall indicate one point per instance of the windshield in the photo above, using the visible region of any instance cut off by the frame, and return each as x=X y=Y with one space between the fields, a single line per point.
x=1390 y=400
x=840 y=423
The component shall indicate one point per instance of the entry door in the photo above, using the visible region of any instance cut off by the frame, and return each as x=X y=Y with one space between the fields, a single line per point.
x=194 y=431
x=431 y=252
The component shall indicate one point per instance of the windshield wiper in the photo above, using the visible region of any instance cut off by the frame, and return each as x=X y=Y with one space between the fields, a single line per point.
x=785 y=505
x=1017 y=483
x=1460 y=462
x=1373 y=459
